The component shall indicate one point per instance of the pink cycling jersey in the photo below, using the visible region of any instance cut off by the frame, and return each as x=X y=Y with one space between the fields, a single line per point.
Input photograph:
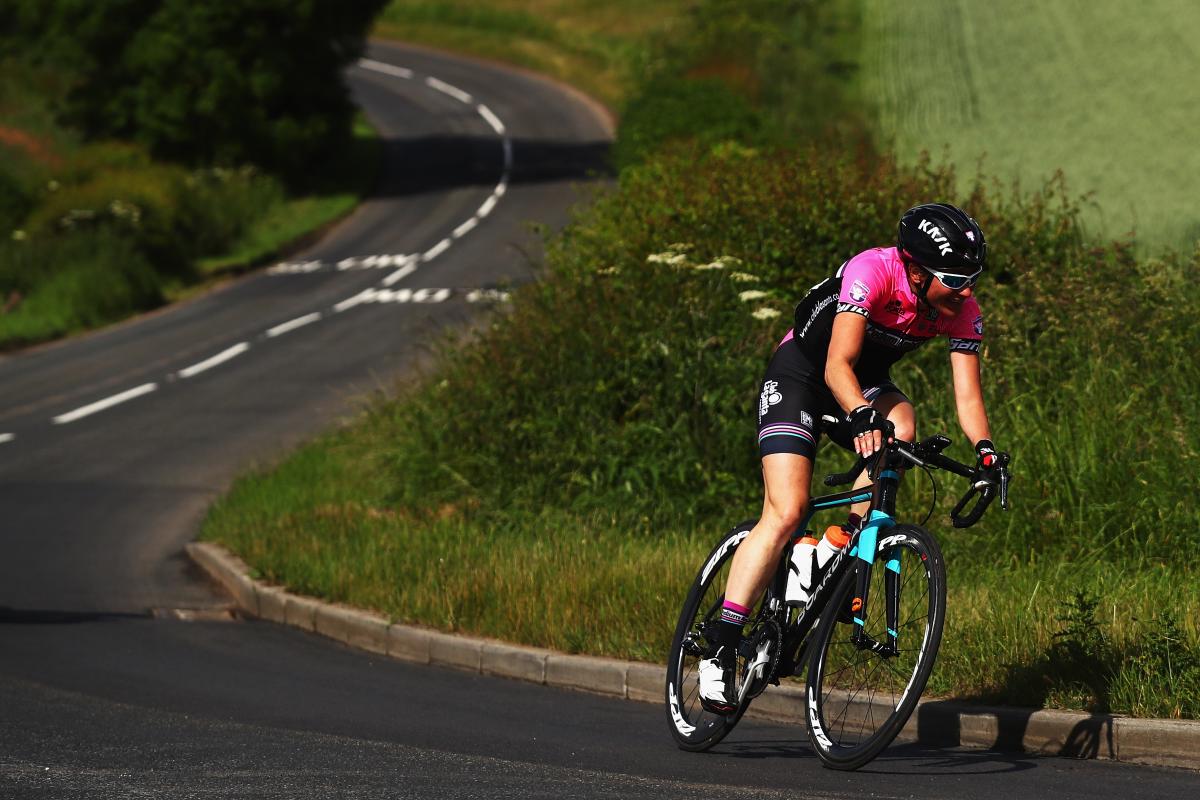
x=875 y=285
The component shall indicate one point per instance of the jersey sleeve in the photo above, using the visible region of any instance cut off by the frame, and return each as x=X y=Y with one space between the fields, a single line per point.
x=966 y=332
x=864 y=284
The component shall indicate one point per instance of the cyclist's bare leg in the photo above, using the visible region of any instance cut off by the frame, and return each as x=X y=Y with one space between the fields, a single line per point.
x=786 y=478
x=900 y=412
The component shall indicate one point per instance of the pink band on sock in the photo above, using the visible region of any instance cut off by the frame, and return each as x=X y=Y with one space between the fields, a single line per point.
x=732 y=606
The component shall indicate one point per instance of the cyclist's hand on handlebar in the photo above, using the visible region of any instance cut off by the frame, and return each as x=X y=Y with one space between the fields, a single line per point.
x=867 y=427
x=992 y=467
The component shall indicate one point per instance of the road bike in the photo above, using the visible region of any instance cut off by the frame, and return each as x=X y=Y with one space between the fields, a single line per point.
x=868 y=637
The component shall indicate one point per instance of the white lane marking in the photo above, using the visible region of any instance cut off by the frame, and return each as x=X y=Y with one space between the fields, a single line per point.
x=351 y=302
x=400 y=274
x=501 y=188
x=465 y=228
x=485 y=295
x=387 y=69
x=6 y=437
x=291 y=325
x=219 y=358
x=347 y=263
x=436 y=250
x=445 y=88
x=491 y=118
x=108 y=402
x=487 y=206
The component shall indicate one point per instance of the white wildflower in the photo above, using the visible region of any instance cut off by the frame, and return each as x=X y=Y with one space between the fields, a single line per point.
x=18 y=236
x=52 y=186
x=718 y=264
x=765 y=313
x=751 y=294
x=673 y=259
x=742 y=277
x=609 y=271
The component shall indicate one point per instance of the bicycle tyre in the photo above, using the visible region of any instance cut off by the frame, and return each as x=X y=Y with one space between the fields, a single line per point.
x=858 y=700
x=692 y=727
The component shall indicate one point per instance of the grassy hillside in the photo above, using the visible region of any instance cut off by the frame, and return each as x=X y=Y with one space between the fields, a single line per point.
x=1105 y=91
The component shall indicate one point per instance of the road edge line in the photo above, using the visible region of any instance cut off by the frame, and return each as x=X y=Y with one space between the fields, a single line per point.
x=1046 y=732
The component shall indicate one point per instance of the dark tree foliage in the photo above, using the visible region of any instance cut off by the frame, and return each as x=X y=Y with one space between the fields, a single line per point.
x=230 y=82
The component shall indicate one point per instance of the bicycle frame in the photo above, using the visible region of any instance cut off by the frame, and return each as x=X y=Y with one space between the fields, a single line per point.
x=859 y=553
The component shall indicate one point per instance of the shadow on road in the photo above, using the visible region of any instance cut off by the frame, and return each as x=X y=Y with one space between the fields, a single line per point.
x=1015 y=730
x=27 y=616
x=438 y=163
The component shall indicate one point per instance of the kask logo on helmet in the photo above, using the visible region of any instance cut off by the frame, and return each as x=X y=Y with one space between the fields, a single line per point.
x=935 y=233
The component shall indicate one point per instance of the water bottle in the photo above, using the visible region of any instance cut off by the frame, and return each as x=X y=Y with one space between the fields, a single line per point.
x=808 y=562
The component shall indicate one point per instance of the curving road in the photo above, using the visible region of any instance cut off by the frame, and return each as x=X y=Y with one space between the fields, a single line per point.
x=112 y=446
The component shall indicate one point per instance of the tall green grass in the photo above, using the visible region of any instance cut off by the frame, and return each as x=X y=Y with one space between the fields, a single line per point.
x=1102 y=90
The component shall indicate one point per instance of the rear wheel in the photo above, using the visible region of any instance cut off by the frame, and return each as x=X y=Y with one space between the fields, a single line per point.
x=860 y=694
x=692 y=726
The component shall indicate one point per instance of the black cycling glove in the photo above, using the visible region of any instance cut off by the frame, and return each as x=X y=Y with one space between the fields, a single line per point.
x=986 y=455
x=865 y=419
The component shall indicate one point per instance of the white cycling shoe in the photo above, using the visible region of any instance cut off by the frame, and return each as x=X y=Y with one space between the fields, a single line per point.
x=718 y=694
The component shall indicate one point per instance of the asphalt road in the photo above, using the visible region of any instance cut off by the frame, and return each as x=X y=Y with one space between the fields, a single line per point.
x=100 y=698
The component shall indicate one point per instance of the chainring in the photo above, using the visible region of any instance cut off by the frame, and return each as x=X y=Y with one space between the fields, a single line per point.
x=767 y=632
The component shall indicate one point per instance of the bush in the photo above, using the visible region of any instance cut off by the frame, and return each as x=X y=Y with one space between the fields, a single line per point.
x=626 y=380
x=72 y=282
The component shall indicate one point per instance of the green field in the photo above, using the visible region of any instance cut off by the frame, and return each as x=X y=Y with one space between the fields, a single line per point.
x=1104 y=90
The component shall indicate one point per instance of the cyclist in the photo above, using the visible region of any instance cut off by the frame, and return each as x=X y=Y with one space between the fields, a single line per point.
x=849 y=330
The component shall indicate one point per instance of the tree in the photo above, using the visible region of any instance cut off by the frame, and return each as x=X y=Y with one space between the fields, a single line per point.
x=232 y=82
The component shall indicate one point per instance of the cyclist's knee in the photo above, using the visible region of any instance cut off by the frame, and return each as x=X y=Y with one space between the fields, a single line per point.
x=782 y=516
x=904 y=418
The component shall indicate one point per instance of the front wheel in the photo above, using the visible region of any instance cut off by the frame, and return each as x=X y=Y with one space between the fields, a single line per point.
x=692 y=726
x=860 y=694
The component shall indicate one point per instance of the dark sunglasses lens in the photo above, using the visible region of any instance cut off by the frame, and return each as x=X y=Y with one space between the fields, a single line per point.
x=956 y=281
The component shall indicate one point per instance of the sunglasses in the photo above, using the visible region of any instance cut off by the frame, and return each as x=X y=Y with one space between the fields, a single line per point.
x=952 y=282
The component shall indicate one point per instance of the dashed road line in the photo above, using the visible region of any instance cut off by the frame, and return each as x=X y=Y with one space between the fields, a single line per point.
x=490 y=118
x=387 y=69
x=101 y=405
x=436 y=250
x=6 y=437
x=219 y=358
x=445 y=88
x=400 y=274
x=291 y=325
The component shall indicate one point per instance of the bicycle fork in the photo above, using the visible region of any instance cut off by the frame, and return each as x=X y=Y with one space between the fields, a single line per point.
x=864 y=547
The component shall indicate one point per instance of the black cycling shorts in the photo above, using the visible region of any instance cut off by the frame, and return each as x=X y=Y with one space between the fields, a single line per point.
x=794 y=398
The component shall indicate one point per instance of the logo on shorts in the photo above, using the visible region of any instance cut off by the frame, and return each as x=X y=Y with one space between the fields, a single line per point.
x=806 y=419
x=978 y=325
x=859 y=292
x=769 y=397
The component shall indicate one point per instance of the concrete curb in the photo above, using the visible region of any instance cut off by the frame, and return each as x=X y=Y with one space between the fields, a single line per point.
x=1159 y=742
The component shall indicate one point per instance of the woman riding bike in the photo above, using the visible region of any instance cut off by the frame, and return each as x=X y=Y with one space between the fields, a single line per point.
x=849 y=330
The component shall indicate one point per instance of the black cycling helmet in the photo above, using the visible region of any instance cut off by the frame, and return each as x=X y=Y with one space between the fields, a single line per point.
x=942 y=237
